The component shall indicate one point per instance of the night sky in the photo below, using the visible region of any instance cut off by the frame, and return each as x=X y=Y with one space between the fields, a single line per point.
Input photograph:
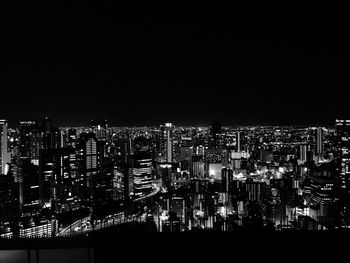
x=94 y=63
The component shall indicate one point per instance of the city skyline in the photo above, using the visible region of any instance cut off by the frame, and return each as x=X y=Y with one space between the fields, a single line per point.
x=132 y=136
x=63 y=183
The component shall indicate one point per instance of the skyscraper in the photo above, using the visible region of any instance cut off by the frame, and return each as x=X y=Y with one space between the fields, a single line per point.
x=227 y=178
x=51 y=135
x=89 y=158
x=343 y=144
x=215 y=132
x=142 y=174
x=169 y=142
x=303 y=153
x=238 y=141
x=319 y=142
x=5 y=156
x=26 y=126
x=59 y=183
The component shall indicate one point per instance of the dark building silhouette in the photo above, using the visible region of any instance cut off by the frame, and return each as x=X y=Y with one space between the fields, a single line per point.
x=59 y=179
x=215 y=135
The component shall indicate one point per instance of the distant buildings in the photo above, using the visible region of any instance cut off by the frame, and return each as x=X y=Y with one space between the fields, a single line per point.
x=184 y=178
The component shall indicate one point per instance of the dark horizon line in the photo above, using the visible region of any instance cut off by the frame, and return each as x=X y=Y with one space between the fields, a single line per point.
x=87 y=123
x=195 y=125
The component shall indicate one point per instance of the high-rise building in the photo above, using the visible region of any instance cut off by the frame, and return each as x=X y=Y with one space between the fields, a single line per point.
x=51 y=136
x=72 y=138
x=255 y=190
x=5 y=156
x=122 y=150
x=36 y=144
x=303 y=153
x=319 y=143
x=343 y=157
x=26 y=127
x=198 y=167
x=238 y=141
x=29 y=186
x=169 y=142
x=142 y=174
x=89 y=158
x=227 y=179
x=122 y=177
x=215 y=135
x=59 y=179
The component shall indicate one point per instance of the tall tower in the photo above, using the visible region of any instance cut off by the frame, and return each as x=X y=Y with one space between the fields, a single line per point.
x=238 y=141
x=5 y=156
x=343 y=157
x=319 y=142
x=169 y=142
x=89 y=157
x=303 y=153
x=26 y=127
x=142 y=174
x=215 y=131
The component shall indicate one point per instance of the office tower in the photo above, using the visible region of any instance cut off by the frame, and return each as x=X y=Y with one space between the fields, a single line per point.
x=51 y=136
x=59 y=182
x=45 y=124
x=303 y=153
x=169 y=142
x=255 y=190
x=29 y=186
x=165 y=171
x=89 y=157
x=198 y=167
x=141 y=168
x=122 y=183
x=319 y=143
x=238 y=141
x=227 y=179
x=26 y=127
x=343 y=144
x=122 y=150
x=71 y=138
x=215 y=135
x=122 y=176
x=5 y=156
x=36 y=144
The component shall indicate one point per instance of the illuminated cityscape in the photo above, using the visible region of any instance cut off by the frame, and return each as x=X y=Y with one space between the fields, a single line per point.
x=132 y=136
x=70 y=181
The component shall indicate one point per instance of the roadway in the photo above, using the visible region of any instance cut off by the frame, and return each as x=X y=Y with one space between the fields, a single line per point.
x=82 y=227
x=156 y=189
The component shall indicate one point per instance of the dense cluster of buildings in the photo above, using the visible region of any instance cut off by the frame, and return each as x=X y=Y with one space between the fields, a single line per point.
x=205 y=178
